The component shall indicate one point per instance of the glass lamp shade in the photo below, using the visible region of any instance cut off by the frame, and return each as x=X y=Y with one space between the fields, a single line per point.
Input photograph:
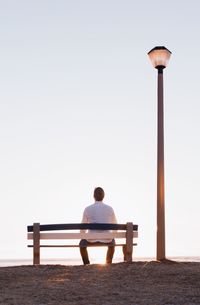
x=159 y=57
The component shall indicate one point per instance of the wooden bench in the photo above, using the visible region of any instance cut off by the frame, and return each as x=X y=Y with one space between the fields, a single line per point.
x=37 y=232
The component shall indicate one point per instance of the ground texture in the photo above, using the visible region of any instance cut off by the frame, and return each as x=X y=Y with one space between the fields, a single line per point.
x=145 y=283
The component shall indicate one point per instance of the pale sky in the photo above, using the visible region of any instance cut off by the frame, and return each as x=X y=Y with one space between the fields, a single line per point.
x=78 y=109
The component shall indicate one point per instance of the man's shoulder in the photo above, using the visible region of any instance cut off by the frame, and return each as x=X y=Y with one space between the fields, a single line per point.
x=89 y=207
x=99 y=205
x=108 y=207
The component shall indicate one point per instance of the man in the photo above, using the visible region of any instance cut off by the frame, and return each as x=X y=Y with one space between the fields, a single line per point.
x=98 y=212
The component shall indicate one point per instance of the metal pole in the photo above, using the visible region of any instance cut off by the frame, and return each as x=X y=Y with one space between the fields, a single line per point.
x=160 y=172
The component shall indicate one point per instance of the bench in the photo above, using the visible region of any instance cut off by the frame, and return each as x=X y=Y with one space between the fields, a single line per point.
x=51 y=233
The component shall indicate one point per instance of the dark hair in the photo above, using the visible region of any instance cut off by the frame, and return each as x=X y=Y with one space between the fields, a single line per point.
x=99 y=194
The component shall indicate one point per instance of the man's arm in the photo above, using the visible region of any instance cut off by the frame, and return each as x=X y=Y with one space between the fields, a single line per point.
x=84 y=220
x=113 y=217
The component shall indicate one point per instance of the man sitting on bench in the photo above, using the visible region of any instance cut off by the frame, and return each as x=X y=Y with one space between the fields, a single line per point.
x=98 y=212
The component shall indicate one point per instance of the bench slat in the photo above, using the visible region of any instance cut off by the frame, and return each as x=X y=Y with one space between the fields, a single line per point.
x=102 y=235
x=82 y=226
x=76 y=246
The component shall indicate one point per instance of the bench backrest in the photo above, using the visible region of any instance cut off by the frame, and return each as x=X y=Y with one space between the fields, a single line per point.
x=82 y=226
x=103 y=229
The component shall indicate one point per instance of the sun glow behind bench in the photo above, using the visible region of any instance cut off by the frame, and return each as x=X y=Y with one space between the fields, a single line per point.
x=126 y=232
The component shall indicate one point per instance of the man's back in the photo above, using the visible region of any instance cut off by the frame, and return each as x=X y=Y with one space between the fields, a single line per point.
x=99 y=212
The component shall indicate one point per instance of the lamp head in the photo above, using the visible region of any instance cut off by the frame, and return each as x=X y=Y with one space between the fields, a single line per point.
x=159 y=57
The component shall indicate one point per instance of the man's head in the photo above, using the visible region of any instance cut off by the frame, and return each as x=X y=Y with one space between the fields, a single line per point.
x=99 y=194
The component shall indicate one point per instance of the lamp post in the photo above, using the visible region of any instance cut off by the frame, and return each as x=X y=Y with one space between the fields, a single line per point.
x=159 y=57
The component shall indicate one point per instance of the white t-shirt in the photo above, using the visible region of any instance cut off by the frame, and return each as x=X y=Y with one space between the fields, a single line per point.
x=98 y=212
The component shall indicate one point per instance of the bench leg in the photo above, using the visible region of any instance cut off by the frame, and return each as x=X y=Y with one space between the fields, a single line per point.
x=36 y=243
x=129 y=242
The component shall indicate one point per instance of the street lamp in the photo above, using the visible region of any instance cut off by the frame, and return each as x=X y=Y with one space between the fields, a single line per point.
x=159 y=57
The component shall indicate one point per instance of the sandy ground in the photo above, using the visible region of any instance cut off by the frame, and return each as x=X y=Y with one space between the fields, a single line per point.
x=145 y=283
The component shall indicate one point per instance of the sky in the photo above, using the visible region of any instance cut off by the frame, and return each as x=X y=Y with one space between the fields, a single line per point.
x=78 y=109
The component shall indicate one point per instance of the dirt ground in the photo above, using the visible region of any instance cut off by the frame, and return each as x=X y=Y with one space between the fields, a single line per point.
x=145 y=283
